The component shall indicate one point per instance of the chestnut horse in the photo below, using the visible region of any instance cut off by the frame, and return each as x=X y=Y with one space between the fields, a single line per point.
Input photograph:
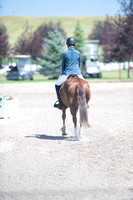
x=75 y=93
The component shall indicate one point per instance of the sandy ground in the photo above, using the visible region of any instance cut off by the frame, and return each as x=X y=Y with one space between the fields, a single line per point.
x=37 y=163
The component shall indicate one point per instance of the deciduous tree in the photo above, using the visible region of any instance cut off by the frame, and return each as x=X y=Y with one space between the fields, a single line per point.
x=32 y=43
x=97 y=32
x=118 y=42
x=4 y=44
x=23 y=45
x=39 y=36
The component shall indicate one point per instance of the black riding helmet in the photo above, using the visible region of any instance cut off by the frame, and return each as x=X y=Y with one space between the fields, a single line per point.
x=70 y=41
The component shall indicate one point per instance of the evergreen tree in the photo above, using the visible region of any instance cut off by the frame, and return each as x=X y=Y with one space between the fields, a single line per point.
x=78 y=34
x=32 y=42
x=52 y=54
x=39 y=35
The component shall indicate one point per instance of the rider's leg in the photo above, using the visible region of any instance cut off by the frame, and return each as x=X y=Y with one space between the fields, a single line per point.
x=80 y=76
x=58 y=84
x=59 y=103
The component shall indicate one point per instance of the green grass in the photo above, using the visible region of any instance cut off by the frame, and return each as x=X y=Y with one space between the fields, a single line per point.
x=15 y=24
x=114 y=76
x=37 y=78
x=107 y=76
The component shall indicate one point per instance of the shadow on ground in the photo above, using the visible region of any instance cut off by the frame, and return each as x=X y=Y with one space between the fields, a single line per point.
x=50 y=137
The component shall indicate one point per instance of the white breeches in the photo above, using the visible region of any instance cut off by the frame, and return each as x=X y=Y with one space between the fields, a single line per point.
x=63 y=78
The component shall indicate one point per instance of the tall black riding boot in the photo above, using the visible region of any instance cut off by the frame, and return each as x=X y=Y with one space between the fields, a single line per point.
x=58 y=104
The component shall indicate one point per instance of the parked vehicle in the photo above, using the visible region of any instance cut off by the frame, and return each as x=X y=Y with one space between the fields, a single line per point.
x=91 y=69
x=16 y=75
x=20 y=71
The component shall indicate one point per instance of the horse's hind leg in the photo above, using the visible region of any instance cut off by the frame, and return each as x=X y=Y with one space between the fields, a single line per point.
x=74 y=114
x=63 y=118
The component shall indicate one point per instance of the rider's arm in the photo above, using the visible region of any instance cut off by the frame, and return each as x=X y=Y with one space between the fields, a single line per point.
x=79 y=60
x=63 y=63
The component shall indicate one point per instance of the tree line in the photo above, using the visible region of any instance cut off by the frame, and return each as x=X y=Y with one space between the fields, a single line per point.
x=46 y=44
x=116 y=34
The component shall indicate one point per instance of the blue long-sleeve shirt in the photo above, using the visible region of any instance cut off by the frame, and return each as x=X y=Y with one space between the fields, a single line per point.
x=71 y=62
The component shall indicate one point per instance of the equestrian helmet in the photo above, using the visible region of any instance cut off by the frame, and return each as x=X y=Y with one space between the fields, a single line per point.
x=70 y=41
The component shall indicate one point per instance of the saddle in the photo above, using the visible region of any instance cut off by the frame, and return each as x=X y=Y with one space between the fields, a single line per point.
x=72 y=76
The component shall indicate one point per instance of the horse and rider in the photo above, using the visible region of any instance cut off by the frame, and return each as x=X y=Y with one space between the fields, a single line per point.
x=71 y=88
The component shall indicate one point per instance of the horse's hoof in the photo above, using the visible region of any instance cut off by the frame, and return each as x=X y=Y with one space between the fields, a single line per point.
x=63 y=134
x=75 y=138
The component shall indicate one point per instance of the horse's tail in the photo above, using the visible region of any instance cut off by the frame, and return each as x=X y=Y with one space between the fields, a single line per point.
x=83 y=105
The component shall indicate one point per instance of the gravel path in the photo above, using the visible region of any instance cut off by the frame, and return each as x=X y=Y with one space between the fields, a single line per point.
x=36 y=163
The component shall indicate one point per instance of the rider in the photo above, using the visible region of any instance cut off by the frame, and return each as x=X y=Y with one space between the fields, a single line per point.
x=70 y=65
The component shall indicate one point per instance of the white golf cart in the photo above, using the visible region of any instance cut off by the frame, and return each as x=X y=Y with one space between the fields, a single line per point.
x=21 y=69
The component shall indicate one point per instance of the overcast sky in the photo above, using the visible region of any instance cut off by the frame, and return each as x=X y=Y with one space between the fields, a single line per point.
x=59 y=7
